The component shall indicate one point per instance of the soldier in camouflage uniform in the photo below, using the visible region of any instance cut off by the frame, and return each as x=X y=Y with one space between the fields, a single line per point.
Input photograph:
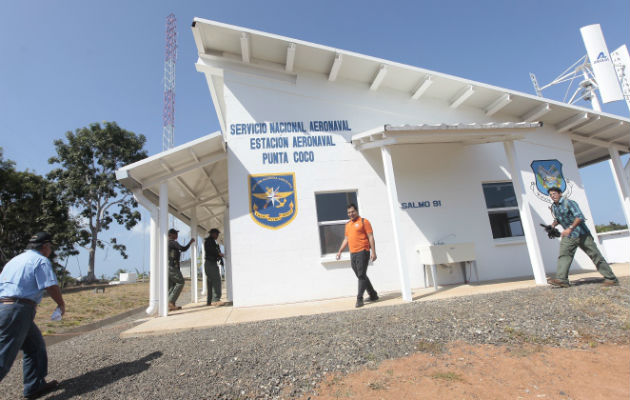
x=175 y=277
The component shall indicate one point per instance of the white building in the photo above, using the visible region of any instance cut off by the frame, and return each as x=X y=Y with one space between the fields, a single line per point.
x=429 y=158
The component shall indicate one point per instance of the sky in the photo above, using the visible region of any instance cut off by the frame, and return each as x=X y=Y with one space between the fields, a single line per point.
x=66 y=64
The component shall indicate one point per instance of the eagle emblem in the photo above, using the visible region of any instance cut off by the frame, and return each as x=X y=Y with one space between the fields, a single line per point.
x=548 y=174
x=272 y=199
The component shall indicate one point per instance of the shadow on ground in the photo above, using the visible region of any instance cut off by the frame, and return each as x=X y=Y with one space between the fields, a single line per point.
x=586 y=281
x=99 y=378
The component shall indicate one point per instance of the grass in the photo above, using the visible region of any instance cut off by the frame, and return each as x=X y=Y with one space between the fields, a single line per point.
x=377 y=385
x=448 y=376
x=426 y=346
x=86 y=307
x=523 y=337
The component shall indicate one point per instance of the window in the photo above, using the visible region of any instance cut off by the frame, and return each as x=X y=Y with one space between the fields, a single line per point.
x=505 y=219
x=332 y=215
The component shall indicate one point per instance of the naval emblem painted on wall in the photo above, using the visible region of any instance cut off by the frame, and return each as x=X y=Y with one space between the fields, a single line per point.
x=548 y=174
x=272 y=199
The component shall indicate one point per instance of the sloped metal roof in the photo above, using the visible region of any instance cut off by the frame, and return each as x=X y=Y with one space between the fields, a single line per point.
x=468 y=133
x=196 y=175
x=591 y=131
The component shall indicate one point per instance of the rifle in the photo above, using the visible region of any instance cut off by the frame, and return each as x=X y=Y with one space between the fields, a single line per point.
x=552 y=232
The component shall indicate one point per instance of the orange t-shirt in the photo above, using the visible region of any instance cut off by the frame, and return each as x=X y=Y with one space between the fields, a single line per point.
x=357 y=234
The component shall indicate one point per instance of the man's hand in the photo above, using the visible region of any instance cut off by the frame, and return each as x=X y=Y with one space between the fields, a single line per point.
x=567 y=232
x=338 y=256
x=191 y=240
x=373 y=256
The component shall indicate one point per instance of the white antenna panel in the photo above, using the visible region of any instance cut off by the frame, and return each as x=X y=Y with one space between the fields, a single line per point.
x=621 y=60
x=601 y=63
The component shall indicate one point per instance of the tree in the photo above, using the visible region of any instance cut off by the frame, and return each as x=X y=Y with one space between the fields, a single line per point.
x=612 y=226
x=29 y=203
x=88 y=163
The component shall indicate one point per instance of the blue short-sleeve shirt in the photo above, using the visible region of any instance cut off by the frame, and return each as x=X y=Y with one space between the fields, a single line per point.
x=26 y=276
x=566 y=211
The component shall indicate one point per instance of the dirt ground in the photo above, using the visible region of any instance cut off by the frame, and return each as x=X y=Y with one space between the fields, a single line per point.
x=463 y=371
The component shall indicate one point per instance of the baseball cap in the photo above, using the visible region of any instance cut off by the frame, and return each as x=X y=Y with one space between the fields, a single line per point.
x=40 y=238
x=172 y=231
x=215 y=230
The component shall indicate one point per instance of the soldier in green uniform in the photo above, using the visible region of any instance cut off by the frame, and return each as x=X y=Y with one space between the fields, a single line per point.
x=211 y=266
x=175 y=277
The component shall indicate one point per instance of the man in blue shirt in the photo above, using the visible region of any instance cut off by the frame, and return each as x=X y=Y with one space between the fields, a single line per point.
x=22 y=283
x=567 y=213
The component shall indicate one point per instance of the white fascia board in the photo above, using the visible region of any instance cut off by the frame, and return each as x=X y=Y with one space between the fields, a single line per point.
x=197 y=36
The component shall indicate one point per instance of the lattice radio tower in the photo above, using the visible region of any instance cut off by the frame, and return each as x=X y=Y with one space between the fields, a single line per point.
x=170 y=57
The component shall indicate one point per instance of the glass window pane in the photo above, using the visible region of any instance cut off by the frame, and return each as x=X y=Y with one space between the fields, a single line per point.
x=330 y=237
x=506 y=224
x=333 y=206
x=499 y=195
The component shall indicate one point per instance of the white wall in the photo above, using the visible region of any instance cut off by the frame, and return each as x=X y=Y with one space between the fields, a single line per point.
x=616 y=246
x=284 y=265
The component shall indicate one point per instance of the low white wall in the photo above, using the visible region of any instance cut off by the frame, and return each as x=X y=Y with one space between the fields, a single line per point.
x=128 y=277
x=616 y=245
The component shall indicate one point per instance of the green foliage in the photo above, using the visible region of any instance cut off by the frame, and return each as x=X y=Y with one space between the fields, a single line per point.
x=88 y=161
x=141 y=275
x=29 y=203
x=612 y=226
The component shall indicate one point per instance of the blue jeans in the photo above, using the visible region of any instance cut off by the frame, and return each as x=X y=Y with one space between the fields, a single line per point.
x=19 y=332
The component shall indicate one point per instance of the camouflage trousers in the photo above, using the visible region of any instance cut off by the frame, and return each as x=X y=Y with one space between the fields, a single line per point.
x=175 y=284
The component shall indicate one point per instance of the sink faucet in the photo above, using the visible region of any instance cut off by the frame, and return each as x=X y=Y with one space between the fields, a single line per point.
x=441 y=241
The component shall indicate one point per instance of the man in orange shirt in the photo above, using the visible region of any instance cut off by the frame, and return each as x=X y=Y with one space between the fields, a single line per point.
x=360 y=238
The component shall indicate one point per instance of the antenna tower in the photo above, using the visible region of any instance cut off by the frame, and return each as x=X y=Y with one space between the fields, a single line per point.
x=170 y=57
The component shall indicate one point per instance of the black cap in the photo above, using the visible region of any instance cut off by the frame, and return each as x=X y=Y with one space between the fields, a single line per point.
x=214 y=230
x=40 y=238
x=554 y=189
x=172 y=231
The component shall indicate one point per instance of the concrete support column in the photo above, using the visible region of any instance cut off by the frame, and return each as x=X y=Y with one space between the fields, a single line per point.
x=163 y=293
x=204 y=282
x=621 y=181
x=154 y=262
x=154 y=250
x=524 y=209
x=394 y=208
x=228 y=253
x=193 y=256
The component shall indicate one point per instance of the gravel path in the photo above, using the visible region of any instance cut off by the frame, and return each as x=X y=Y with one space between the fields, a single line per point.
x=285 y=358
